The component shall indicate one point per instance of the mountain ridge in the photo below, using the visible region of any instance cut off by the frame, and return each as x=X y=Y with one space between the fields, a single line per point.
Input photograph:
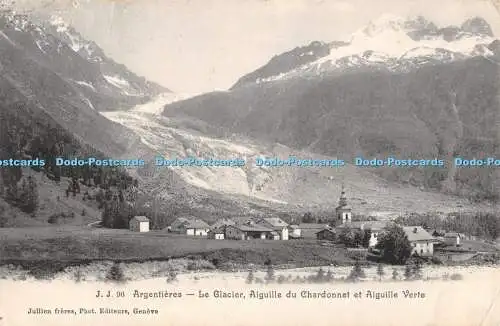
x=390 y=43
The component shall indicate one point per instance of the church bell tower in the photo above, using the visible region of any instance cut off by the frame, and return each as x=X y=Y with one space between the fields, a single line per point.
x=343 y=211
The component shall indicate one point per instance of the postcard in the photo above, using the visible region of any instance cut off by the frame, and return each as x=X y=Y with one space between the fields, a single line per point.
x=249 y=162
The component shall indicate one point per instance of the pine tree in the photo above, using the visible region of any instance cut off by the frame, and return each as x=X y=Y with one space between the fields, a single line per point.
x=320 y=276
x=417 y=270
x=380 y=271
x=30 y=195
x=395 y=245
x=270 y=273
x=357 y=272
x=408 y=272
x=329 y=276
x=115 y=273
x=250 y=277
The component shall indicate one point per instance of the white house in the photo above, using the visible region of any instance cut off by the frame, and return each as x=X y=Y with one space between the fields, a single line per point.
x=452 y=239
x=190 y=226
x=139 y=224
x=375 y=228
x=217 y=233
x=275 y=224
x=421 y=241
x=197 y=227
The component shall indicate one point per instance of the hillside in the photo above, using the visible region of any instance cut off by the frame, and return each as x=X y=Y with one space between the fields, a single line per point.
x=442 y=108
x=101 y=83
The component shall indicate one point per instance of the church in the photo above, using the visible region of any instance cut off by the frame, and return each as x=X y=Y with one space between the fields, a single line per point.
x=343 y=210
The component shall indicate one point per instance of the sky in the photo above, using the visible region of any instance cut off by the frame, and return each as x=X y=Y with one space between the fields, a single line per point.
x=195 y=46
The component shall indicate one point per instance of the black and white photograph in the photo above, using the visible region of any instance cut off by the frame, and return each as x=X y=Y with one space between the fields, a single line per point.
x=249 y=162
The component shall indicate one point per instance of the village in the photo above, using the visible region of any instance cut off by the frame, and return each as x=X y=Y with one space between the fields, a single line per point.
x=423 y=240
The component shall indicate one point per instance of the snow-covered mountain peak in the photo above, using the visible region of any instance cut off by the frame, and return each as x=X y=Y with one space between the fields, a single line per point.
x=477 y=26
x=59 y=23
x=383 y=24
x=396 y=43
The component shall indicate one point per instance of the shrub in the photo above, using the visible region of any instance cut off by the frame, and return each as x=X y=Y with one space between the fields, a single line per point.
x=79 y=276
x=172 y=276
x=456 y=277
x=395 y=274
x=357 y=272
x=320 y=276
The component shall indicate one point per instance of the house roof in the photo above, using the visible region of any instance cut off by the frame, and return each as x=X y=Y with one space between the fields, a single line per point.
x=327 y=230
x=417 y=233
x=242 y=219
x=365 y=225
x=312 y=226
x=451 y=234
x=251 y=228
x=218 y=230
x=276 y=222
x=180 y=220
x=223 y=222
x=141 y=218
x=197 y=224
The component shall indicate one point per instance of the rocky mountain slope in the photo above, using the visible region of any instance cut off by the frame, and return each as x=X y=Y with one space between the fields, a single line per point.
x=49 y=42
x=442 y=102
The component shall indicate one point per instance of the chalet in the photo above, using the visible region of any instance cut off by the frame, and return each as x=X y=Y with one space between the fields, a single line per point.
x=197 y=227
x=375 y=228
x=247 y=232
x=139 y=224
x=177 y=226
x=273 y=235
x=190 y=226
x=276 y=224
x=217 y=233
x=309 y=230
x=326 y=234
x=421 y=241
x=452 y=239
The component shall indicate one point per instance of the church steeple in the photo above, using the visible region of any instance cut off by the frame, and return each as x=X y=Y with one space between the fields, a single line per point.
x=343 y=198
x=344 y=213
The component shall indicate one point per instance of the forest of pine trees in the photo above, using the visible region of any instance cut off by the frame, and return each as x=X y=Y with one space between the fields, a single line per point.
x=23 y=135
